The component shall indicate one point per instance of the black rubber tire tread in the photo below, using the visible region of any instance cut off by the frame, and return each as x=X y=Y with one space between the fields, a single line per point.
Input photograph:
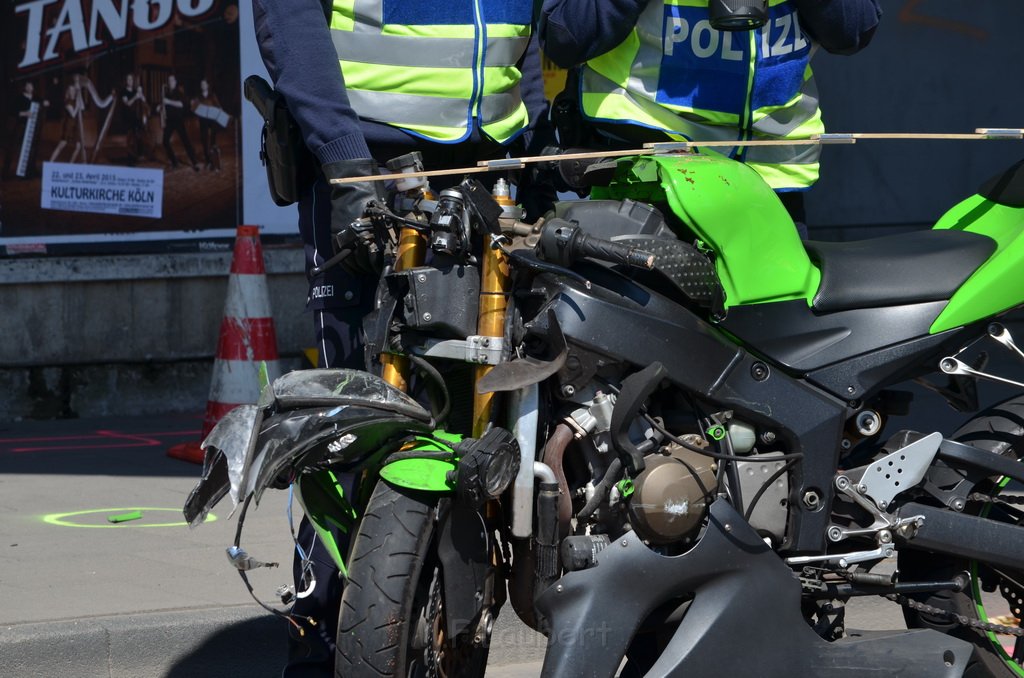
x=387 y=557
x=999 y=429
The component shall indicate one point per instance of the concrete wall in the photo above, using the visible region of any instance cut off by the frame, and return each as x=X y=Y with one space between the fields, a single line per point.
x=123 y=335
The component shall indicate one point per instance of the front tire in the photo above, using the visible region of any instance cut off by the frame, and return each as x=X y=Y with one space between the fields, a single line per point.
x=1000 y=430
x=392 y=610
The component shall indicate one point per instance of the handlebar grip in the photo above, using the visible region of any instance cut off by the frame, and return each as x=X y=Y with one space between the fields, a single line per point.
x=617 y=253
x=564 y=242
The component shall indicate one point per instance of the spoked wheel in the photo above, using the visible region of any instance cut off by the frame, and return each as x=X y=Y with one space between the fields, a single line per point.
x=995 y=594
x=392 y=619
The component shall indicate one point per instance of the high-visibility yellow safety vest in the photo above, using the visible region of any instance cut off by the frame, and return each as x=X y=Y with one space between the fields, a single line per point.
x=435 y=69
x=677 y=74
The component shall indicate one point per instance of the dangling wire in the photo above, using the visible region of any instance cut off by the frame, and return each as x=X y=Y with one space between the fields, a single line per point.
x=291 y=525
x=307 y=577
x=245 y=579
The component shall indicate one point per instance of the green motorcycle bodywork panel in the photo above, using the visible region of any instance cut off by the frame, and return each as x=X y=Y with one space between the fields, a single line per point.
x=429 y=472
x=323 y=499
x=758 y=252
x=998 y=285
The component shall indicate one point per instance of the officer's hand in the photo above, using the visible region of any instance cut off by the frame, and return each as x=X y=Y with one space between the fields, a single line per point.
x=348 y=203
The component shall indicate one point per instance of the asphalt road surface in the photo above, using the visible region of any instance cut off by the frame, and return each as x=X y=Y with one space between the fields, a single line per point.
x=81 y=596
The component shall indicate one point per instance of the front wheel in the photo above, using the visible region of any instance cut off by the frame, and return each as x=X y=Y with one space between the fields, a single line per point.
x=1001 y=431
x=392 y=619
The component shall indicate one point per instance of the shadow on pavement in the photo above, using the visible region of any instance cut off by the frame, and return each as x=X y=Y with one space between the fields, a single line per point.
x=254 y=648
x=117 y=447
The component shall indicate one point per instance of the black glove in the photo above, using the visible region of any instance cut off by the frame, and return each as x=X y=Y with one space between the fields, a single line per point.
x=348 y=203
x=537 y=190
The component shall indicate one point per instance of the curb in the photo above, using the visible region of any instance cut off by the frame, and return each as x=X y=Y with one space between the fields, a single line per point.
x=202 y=643
x=240 y=641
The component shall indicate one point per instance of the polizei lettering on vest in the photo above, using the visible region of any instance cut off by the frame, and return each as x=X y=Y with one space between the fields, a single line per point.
x=69 y=17
x=704 y=40
x=780 y=36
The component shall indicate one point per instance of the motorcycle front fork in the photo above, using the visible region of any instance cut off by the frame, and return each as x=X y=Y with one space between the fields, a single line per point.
x=412 y=252
x=493 y=304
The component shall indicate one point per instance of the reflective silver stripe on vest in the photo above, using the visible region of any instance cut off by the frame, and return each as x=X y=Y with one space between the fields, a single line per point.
x=369 y=16
x=397 y=50
x=696 y=130
x=643 y=74
x=400 y=50
x=414 y=110
x=783 y=155
x=690 y=125
x=505 y=51
x=783 y=122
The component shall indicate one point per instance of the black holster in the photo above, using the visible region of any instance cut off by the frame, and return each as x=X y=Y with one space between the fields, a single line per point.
x=291 y=168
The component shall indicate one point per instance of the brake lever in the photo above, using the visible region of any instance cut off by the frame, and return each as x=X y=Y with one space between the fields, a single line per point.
x=345 y=244
x=345 y=248
x=524 y=258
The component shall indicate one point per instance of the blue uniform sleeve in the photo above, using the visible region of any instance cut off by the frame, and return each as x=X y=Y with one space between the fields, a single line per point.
x=297 y=49
x=540 y=132
x=840 y=26
x=574 y=31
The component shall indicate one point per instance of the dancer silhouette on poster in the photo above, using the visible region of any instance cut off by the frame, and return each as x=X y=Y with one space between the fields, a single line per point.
x=174 y=122
x=135 y=116
x=208 y=109
x=71 y=131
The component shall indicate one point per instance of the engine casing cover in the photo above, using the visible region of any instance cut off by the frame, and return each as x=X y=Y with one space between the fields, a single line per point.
x=671 y=495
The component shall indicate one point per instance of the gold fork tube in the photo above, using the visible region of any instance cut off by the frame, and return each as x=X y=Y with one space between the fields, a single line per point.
x=494 y=287
x=412 y=248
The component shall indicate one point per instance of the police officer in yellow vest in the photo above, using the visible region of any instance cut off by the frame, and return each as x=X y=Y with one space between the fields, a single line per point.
x=657 y=70
x=367 y=81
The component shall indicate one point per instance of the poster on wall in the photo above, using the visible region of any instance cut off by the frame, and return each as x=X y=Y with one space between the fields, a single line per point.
x=120 y=123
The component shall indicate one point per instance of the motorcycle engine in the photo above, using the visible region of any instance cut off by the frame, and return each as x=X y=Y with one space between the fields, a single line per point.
x=671 y=495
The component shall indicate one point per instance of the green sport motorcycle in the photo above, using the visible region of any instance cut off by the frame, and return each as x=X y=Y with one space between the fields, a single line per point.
x=655 y=423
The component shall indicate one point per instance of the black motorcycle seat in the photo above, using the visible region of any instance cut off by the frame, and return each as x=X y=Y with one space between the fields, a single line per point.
x=1007 y=187
x=913 y=267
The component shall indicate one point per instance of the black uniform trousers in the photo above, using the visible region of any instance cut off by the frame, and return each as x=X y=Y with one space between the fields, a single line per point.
x=338 y=301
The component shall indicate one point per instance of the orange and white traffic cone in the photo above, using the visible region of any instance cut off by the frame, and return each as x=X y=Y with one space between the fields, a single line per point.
x=247 y=339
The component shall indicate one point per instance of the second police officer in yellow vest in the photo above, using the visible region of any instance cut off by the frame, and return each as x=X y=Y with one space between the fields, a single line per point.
x=657 y=70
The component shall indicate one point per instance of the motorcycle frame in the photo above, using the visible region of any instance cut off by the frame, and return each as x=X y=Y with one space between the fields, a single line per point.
x=806 y=417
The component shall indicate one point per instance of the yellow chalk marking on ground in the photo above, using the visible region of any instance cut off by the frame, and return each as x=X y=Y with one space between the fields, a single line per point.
x=67 y=519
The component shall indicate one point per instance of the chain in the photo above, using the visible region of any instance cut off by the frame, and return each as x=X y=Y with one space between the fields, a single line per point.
x=1008 y=592
x=1012 y=500
x=961 y=619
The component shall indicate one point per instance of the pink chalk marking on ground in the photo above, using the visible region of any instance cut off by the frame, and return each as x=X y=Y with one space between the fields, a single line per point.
x=97 y=440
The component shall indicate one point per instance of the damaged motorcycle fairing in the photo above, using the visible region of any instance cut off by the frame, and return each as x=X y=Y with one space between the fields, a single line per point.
x=305 y=418
x=738 y=588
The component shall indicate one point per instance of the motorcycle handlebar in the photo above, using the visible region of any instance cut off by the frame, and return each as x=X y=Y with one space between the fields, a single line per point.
x=563 y=242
